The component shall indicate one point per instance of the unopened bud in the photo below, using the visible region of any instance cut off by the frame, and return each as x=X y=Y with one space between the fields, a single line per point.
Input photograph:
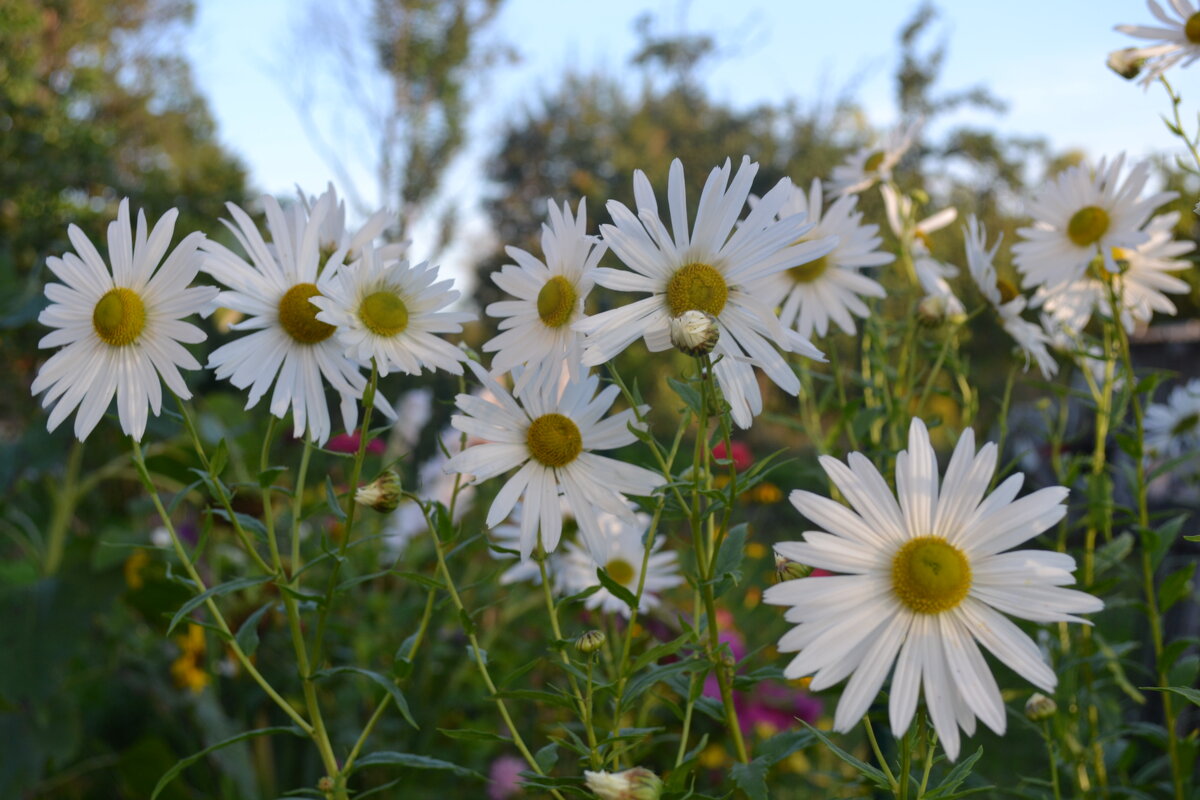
x=325 y=784
x=590 y=642
x=638 y=783
x=694 y=332
x=788 y=570
x=931 y=311
x=381 y=494
x=1039 y=707
x=1126 y=62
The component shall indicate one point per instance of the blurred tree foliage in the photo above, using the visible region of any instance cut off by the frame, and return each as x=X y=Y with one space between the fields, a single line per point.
x=402 y=72
x=96 y=104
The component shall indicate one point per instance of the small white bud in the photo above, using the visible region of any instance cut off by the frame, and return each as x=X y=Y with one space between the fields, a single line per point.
x=694 y=332
x=1039 y=707
x=638 y=783
x=1126 y=62
x=381 y=494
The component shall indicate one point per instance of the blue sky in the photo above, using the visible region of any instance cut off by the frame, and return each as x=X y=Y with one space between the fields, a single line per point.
x=1045 y=58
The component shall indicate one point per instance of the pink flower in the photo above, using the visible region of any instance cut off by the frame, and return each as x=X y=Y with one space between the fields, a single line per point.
x=504 y=777
x=742 y=458
x=348 y=443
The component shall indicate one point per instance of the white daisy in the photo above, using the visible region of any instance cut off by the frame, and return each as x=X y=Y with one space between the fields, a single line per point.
x=714 y=268
x=928 y=580
x=1173 y=428
x=1177 y=42
x=626 y=548
x=1003 y=297
x=123 y=329
x=933 y=275
x=336 y=238
x=551 y=438
x=288 y=340
x=390 y=311
x=535 y=329
x=830 y=287
x=1141 y=285
x=1080 y=215
x=874 y=163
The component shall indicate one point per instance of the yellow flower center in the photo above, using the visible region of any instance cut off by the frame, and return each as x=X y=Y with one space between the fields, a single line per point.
x=1008 y=292
x=1185 y=424
x=873 y=161
x=1191 y=29
x=554 y=440
x=383 y=313
x=1087 y=225
x=696 y=287
x=119 y=317
x=556 y=301
x=807 y=273
x=299 y=317
x=930 y=575
x=620 y=571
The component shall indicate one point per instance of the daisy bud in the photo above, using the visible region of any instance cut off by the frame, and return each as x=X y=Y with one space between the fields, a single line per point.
x=590 y=642
x=638 y=783
x=1126 y=62
x=325 y=784
x=1039 y=707
x=694 y=332
x=381 y=494
x=788 y=570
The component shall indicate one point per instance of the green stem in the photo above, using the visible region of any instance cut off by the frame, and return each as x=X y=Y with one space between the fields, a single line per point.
x=687 y=722
x=1176 y=100
x=1053 y=759
x=883 y=763
x=905 y=764
x=930 y=742
x=198 y=583
x=65 y=499
x=298 y=510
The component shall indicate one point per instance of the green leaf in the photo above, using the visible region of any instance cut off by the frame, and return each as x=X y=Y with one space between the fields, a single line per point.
x=214 y=591
x=686 y=393
x=1186 y=692
x=247 y=633
x=331 y=500
x=652 y=655
x=1159 y=540
x=962 y=770
x=471 y=735
x=1175 y=587
x=247 y=522
x=1114 y=552
x=873 y=774
x=184 y=763
x=547 y=757
x=388 y=685
x=733 y=549
x=782 y=745
x=182 y=493
x=751 y=778
x=220 y=458
x=616 y=589
x=267 y=477
x=640 y=683
x=414 y=761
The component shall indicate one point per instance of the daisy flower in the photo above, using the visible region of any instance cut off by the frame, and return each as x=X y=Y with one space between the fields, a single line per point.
x=551 y=437
x=336 y=238
x=927 y=583
x=623 y=563
x=289 y=346
x=1178 y=41
x=390 y=311
x=535 y=328
x=1173 y=428
x=1003 y=297
x=874 y=163
x=830 y=287
x=1080 y=215
x=1141 y=285
x=714 y=268
x=122 y=329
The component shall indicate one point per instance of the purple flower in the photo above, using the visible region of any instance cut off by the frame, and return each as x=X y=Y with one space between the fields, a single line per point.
x=505 y=777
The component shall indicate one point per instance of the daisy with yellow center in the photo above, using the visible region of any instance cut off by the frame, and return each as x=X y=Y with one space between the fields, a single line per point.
x=874 y=163
x=723 y=266
x=926 y=582
x=1173 y=427
x=549 y=436
x=393 y=312
x=623 y=563
x=121 y=331
x=831 y=288
x=536 y=327
x=289 y=346
x=1177 y=41
x=1081 y=215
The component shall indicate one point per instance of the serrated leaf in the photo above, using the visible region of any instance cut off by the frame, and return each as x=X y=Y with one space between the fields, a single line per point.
x=214 y=591
x=388 y=685
x=184 y=763
x=751 y=778
x=413 y=761
x=247 y=632
x=616 y=589
x=331 y=500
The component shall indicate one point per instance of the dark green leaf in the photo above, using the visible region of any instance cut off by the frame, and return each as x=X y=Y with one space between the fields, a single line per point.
x=751 y=778
x=955 y=777
x=657 y=652
x=547 y=757
x=686 y=393
x=247 y=634
x=413 y=761
x=872 y=774
x=388 y=685
x=1175 y=587
x=184 y=763
x=1186 y=692
x=471 y=735
x=214 y=591
x=733 y=549
x=220 y=458
x=331 y=500
x=616 y=589
x=267 y=477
